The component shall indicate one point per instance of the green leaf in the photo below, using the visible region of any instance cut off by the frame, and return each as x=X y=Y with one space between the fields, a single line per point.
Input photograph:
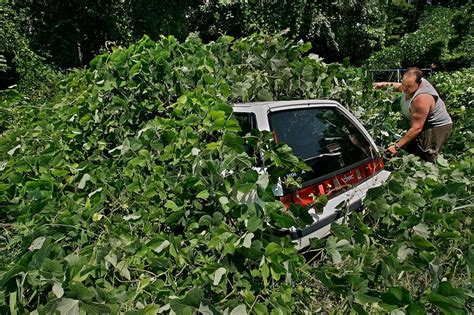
x=470 y=259
x=12 y=151
x=248 y=240
x=174 y=218
x=223 y=200
x=206 y=220
x=420 y=242
x=162 y=245
x=450 y=305
x=341 y=231
x=264 y=95
x=13 y=303
x=263 y=180
x=98 y=309
x=374 y=193
x=306 y=47
x=265 y=270
x=422 y=230
x=441 y=161
x=79 y=291
x=85 y=178
x=51 y=269
x=260 y=309
x=37 y=243
x=403 y=252
x=203 y=194
x=363 y=299
x=395 y=187
x=218 y=275
x=272 y=249
x=189 y=304
x=134 y=187
x=112 y=259
x=207 y=309
x=170 y=204
x=335 y=255
x=97 y=217
x=67 y=306
x=118 y=101
x=122 y=268
x=58 y=290
x=125 y=147
x=396 y=297
x=135 y=68
x=240 y=309
x=254 y=223
x=416 y=309
x=131 y=217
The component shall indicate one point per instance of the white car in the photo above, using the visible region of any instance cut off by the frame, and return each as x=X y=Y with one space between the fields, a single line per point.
x=344 y=159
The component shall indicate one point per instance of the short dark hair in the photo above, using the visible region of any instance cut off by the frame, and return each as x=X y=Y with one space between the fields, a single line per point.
x=415 y=71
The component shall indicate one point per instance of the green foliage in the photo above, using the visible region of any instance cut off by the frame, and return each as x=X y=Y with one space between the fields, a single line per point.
x=461 y=52
x=71 y=33
x=132 y=193
x=331 y=26
x=119 y=196
x=457 y=90
x=402 y=18
x=412 y=251
x=423 y=47
x=18 y=63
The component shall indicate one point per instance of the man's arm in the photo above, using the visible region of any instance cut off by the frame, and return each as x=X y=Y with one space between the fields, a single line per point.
x=420 y=109
x=396 y=85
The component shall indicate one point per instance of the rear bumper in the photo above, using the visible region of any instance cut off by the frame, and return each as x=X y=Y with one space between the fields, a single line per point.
x=351 y=201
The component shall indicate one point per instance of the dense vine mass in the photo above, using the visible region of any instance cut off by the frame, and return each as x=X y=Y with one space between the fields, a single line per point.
x=131 y=192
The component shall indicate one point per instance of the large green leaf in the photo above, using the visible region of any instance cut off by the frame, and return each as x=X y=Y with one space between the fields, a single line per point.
x=189 y=304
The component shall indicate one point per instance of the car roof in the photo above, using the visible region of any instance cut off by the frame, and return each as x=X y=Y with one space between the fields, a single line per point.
x=276 y=104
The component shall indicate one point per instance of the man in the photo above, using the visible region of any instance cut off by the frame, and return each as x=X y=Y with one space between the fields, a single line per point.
x=430 y=122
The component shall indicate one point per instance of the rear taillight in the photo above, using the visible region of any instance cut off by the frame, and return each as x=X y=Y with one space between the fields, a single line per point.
x=333 y=185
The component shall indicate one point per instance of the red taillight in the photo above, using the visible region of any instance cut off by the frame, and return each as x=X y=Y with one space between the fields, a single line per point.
x=286 y=200
x=305 y=196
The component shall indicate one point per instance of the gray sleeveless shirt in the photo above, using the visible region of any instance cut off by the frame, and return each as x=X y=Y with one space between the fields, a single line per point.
x=438 y=116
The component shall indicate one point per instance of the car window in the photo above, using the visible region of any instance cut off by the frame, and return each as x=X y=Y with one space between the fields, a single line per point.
x=247 y=122
x=324 y=137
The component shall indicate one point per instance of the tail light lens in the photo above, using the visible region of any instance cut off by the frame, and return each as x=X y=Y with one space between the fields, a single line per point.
x=333 y=185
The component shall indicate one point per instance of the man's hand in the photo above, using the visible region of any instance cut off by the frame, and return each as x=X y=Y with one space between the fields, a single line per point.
x=393 y=150
x=378 y=85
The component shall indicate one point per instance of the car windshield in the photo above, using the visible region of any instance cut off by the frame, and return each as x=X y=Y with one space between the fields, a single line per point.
x=324 y=137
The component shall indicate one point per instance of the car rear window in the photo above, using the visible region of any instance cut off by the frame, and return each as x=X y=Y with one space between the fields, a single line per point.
x=324 y=137
x=247 y=122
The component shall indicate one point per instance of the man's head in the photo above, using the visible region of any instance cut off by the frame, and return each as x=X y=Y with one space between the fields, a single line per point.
x=411 y=80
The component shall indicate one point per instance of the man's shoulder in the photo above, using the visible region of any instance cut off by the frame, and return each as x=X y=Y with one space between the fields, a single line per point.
x=423 y=99
x=425 y=82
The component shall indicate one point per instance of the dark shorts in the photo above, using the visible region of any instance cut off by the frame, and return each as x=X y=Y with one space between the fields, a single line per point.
x=428 y=143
